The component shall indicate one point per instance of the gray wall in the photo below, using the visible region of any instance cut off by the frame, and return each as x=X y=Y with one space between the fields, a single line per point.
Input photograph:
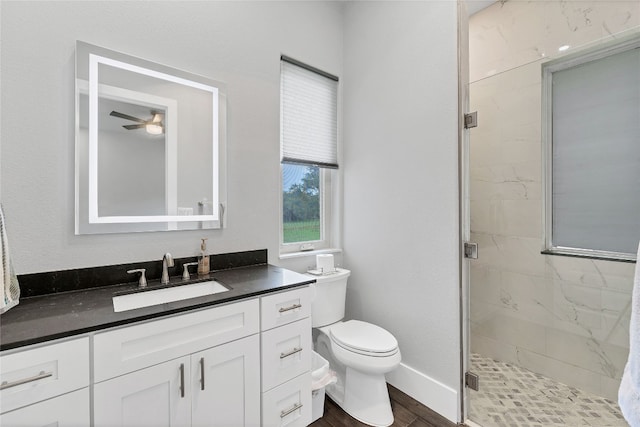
x=398 y=66
x=238 y=43
x=131 y=174
x=401 y=197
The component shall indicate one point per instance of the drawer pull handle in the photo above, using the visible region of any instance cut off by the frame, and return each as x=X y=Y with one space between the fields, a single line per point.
x=293 y=307
x=40 y=376
x=202 y=373
x=288 y=411
x=182 y=380
x=290 y=352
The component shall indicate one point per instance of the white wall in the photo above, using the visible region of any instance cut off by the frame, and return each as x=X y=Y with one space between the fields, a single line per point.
x=238 y=43
x=401 y=196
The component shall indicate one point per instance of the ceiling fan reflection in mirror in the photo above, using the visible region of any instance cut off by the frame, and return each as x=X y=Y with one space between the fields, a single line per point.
x=154 y=126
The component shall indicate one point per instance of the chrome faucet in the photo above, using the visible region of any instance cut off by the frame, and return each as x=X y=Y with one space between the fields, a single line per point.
x=167 y=261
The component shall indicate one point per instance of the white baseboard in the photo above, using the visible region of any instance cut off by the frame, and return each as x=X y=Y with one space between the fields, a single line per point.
x=431 y=393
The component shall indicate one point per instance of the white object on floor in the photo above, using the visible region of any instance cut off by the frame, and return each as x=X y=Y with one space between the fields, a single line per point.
x=321 y=376
x=629 y=392
x=9 y=287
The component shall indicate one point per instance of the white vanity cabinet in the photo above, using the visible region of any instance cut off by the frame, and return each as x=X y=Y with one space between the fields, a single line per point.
x=245 y=363
x=215 y=387
x=286 y=352
x=200 y=368
x=40 y=383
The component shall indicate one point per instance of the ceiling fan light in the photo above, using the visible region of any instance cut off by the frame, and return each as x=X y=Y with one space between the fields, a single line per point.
x=153 y=129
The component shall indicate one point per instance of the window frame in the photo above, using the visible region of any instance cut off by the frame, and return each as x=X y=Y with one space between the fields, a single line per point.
x=330 y=191
x=327 y=227
x=569 y=61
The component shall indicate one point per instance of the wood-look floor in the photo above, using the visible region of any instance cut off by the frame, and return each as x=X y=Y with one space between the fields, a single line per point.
x=407 y=412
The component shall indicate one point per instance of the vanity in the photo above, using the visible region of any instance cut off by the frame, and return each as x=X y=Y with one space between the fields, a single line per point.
x=236 y=358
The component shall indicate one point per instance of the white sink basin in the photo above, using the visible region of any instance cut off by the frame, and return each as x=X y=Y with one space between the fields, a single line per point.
x=162 y=296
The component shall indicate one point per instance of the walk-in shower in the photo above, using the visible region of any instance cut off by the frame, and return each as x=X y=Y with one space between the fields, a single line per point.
x=557 y=322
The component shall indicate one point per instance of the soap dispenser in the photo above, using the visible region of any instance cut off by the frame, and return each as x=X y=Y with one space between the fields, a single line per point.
x=203 y=258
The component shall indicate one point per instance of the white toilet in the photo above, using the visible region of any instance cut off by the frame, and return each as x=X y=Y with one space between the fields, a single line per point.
x=359 y=352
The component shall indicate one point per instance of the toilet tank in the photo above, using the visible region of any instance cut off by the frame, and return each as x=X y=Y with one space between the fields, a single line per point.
x=328 y=295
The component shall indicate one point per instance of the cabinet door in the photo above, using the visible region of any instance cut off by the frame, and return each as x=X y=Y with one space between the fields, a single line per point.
x=226 y=384
x=155 y=396
x=68 y=410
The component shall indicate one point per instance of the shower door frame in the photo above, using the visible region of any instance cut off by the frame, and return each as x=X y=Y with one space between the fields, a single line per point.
x=464 y=211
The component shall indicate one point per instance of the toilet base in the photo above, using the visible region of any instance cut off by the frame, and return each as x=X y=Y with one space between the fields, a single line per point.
x=366 y=398
x=362 y=392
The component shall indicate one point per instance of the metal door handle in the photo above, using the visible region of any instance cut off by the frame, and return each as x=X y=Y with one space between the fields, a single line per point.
x=40 y=376
x=291 y=352
x=202 y=373
x=182 y=380
x=293 y=307
x=288 y=411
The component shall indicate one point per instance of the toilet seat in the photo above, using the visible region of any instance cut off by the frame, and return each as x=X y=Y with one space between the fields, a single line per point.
x=364 y=338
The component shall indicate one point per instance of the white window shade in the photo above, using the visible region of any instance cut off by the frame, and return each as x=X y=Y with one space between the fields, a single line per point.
x=308 y=116
x=596 y=154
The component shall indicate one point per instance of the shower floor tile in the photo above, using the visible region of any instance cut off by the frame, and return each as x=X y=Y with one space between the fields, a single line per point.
x=515 y=397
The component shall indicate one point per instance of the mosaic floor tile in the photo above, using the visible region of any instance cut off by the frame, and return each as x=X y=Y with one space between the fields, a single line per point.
x=511 y=396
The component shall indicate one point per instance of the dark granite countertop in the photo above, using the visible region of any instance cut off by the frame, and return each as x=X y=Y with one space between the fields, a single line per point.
x=48 y=317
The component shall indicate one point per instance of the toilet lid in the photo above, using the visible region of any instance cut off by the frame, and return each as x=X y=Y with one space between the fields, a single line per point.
x=364 y=337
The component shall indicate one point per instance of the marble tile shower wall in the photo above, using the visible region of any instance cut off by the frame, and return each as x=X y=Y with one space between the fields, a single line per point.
x=566 y=318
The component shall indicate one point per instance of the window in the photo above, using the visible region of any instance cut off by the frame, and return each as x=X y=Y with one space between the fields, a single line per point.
x=308 y=141
x=592 y=152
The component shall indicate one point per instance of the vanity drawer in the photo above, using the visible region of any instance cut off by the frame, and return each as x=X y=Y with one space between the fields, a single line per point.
x=288 y=404
x=130 y=348
x=53 y=412
x=285 y=307
x=286 y=353
x=35 y=374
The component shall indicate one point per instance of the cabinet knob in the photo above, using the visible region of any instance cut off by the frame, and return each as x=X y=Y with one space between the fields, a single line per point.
x=293 y=409
x=182 y=380
x=40 y=376
x=290 y=352
x=292 y=307
x=202 y=373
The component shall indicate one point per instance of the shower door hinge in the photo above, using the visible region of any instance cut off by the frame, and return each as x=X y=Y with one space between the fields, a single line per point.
x=471 y=120
x=472 y=381
x=470 y=250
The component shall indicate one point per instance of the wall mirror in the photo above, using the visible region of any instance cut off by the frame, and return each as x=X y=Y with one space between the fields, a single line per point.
x=150 y=145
